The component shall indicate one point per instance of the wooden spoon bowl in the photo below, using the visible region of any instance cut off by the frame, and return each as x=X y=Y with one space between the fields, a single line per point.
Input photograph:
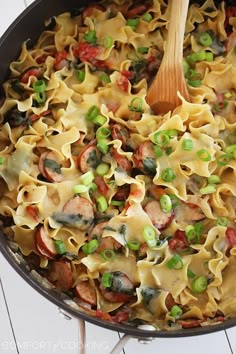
x=162 y=96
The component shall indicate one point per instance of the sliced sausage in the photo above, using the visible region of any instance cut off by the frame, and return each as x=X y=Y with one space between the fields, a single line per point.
x=188 y=212
x=60 y=274
x=179 y=242
x=156 y=191
x=120 y=133
x=122 y=161
x=190 y=323
x=44 y=243
x=86 y=292
x=170 y=302
x=144 y=158
x=159 y=219
x=122 y=192
x=88 y=158
x=108 y=243
x=78 y=212
x=50 y=167
x=121 y=289
x=97 y=230
x=41 y=164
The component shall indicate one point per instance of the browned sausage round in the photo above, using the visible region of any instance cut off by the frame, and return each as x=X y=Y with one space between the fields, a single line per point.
x=60 y=275
x=88 y=158
x=44 y=243
x=121 y=289
x=120 y=133
x=97 y=231
x=50 y=167
x=159 y=219
x=144 y=158
x=86 y=292
x=79 y=212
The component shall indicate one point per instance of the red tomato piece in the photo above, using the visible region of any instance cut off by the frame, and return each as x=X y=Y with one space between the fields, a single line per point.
x=86 y=51
x=32 y=211
x=31 y=72
x=60 y=57
x=231 y=236
x=122 y=161
x=102 y=186
x=123 y=83
x=89 y=10
x=121 y=316
x=138 y=10
x=179 y=241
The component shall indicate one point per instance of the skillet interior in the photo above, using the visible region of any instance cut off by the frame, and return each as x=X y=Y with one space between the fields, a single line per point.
x=28 y=26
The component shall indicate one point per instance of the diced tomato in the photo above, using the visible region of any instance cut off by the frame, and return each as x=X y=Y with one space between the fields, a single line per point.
x=122 y=161
x=89 y=10
x=138 y=10
x=190 y=323
x=123 y=83
x=32 y=211
x=179 y=241
x=231 y=236
x=121 y=316
x=137 y=193
x=86 y=51
x=35 y=117
x=59 y=58
x=127 y=74
x=103 y=315
x=102 y=186
x=31 y=72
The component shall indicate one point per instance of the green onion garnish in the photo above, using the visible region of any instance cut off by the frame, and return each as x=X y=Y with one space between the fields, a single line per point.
x=209 y=56
x=149 y=234
x=2 y=160
x=222 y=221
x=60 y=246
x=194 y=83
x=105 y=78
x=103 y=146
x=102 y=169
x=108 y=42
x=90 y=247
x=186 y=67
x=158 y=151
x=176 y=311
x=143 y=50
x=205 y=39
x=80 y=75
x=223 y=159
x=199 y=284
x=161 y=138
x=87 y=178
x=90 y=37
x=132 y=22
x=191 y=234
x=218 y=106
x=80 y=188
x=117 y=203
x=214 y=179
x=103 y=133
x=168 y=175
x=175 y=262
x=102 y=204
x=203 y=155
x=174 y=200
x=39 y=86
x=136 y=104
x=190 y=274
x=107 y=280
x=40 y=97
x=165 y=203
x=133 y=245
x=209 y=189
x=147 y=17
x=92 y=113
x=99 y=120
x=108 y=254
x=187 y=145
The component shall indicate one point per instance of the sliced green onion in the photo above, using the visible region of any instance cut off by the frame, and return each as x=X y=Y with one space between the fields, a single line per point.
x=158 y=151
x=102 y=204
x=214 y=179
x=186 y=67
x=102 y=169
x=199 y=284
x=209 y=56
x=209 y=189
x=40 y=97
x=190 y=274
x=87 y=178
x=93 y=186
x=172 y=133
x=80 y=188
x=218 y=106
x=108 y=42
x=103 y=133
x=203 y=155
x=230 y=149
x=2 y=160
x=223 y=159
x=161 y=138
x=39 y=86
x=60 y=246
x=165 y=203
x=108 y=254
x=222 y=221
x=147 y=17
x=175 y=262
x=191 y=234
x=174 y=200
x=149 y=234
x=136 y=104
x=80 y=75
x=132 y=22
x=103 y=146
x=194 y=83
x=187 y=145
x=228 y=95
x=117 y=203
x=92 y=113
x=191 y=74
x=143 y=50
x=199 y=227
x=90 y=247
x=205 y=39
x=169 y=150
x=176 y=311
x=90 y=37
x=133 y=245
x=100 y=120
x=168 y=175
x=105 y=78
x=107 y=280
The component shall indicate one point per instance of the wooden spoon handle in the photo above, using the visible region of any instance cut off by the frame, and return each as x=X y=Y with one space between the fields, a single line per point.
x=174 y=46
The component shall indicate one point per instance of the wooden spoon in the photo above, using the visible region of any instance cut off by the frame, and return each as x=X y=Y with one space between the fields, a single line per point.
x=162 y=94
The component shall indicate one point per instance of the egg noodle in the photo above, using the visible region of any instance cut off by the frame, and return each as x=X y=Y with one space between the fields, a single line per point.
x=130 y=213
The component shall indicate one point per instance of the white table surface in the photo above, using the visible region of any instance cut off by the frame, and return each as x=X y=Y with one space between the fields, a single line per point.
x=30 y=324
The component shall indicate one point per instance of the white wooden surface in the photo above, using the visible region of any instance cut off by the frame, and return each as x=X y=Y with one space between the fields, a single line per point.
x=30 y=324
